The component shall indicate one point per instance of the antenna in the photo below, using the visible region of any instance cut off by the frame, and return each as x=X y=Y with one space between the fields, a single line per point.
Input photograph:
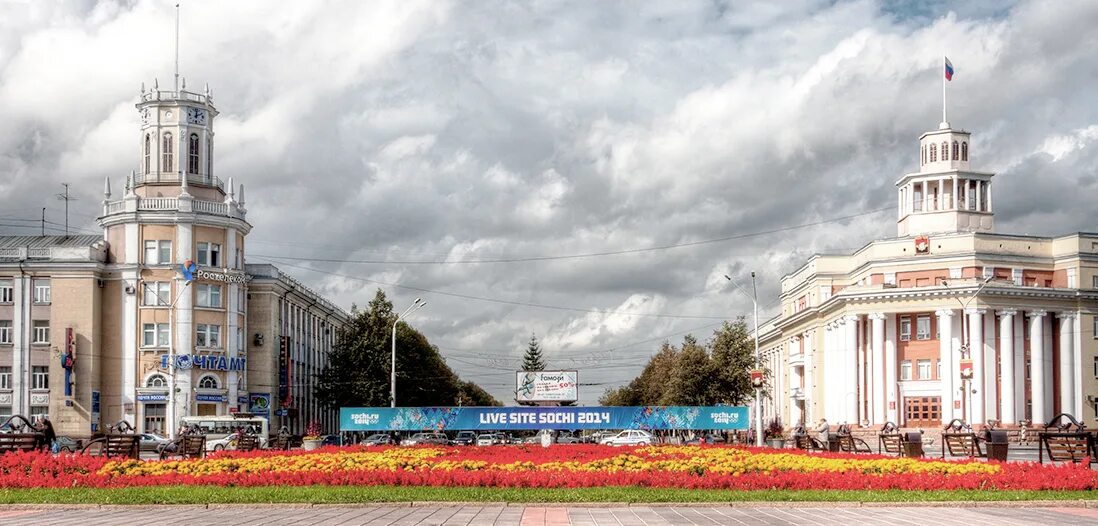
x=177 y=48
x=66 y=198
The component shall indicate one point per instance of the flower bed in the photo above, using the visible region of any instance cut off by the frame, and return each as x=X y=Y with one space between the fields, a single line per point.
x=558 y=467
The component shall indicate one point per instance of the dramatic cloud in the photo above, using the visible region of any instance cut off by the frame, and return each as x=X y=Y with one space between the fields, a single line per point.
x=413 y=132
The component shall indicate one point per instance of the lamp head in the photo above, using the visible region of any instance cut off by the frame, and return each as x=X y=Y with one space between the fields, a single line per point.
x=726 y=276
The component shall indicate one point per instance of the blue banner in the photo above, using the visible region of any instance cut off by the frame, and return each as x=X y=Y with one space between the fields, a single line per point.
x=536 y=418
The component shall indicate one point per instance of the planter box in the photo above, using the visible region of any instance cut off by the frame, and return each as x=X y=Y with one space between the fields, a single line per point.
x=777 y=443
x=309 y=445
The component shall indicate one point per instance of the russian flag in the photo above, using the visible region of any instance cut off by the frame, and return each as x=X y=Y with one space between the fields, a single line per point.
x=949 y=69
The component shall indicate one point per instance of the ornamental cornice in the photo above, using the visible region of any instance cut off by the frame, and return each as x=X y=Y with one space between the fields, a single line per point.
x=878 y=316
x=1036 y=313
x=1007 y=312
x=1068 y=314
x=944 y=313
x=975 y=310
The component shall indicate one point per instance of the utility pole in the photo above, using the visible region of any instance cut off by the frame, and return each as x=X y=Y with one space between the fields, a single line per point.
x=66 y=198
x=43 y=221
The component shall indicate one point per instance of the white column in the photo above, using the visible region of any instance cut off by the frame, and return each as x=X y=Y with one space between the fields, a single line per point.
x=1007 y=400
x=975 y=392
x=809 y=384
x=1037 y=366
x=851 y=361
x=232 y=319
x=184 y=328
x=879 y=402
x=131 y=331
x=989 y=197
x=22 y=326
x=956 y=203
x=926 y=195
x=892 y=396
x=949 y=375
x=991 y=403
x=1067 y=364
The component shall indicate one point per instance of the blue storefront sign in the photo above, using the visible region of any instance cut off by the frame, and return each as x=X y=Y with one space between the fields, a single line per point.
x=207 y=362
x=209 y=398
x=157 y=397
x=533 y=418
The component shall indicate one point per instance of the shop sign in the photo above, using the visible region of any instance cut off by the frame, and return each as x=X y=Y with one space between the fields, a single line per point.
x=242 y=399
x=209 y=398
x=95 y=412
x=153 y=397
x=207 y=362
x=259 y=403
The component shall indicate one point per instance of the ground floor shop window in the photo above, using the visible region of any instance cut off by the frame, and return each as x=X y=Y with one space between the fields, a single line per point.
x=5 y=412
x=207 y=409
x=39 y=411
x=155 y=417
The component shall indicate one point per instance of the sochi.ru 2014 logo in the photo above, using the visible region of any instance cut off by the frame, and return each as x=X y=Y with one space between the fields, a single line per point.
x=188 y=269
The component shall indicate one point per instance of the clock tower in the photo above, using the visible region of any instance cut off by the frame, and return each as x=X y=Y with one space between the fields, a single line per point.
x=176 y=135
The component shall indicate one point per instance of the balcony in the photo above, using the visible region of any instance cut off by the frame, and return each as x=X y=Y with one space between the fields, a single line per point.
x=174 y=204
x=158 y=94
x=796 y=393
x=175 y=179
x=796 y=360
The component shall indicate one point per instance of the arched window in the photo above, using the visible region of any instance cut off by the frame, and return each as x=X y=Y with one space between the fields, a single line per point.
x=923 y=158
x=148 y=153
x=208 y=382
x=156 y=381
x=933 y=153
x=209 y=157
x=945 y=151
x=964 y=151
x=956 y=151
x=240 y=384
x=166 y=153
x=192 y=164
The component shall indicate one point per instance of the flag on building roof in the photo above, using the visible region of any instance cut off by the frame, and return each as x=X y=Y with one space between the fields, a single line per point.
x=949 y=69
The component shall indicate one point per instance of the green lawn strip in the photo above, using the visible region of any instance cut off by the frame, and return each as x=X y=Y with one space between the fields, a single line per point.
x=381 y=494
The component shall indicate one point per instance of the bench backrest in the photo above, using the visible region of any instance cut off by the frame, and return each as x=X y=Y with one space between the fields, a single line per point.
x=20 y=442
x=194 y=446
x=122 y=446
x=1063 y=447
x=891 y=443
x=247 y=443
x=962 y=444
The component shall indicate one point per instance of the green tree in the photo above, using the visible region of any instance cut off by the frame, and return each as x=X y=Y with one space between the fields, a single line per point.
x=733 y=353
x=358 y=368
x=471 y=394
x=533 y=361
x=688 y=382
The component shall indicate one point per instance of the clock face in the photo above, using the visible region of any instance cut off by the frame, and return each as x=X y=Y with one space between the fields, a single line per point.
x=196 y=116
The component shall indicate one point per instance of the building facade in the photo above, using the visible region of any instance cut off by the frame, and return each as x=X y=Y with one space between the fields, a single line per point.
x=949 y=320
x=161 y=299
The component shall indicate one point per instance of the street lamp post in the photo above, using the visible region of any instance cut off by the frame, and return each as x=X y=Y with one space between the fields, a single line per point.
x=758 y=357
x=966 y=346
x=418 y=304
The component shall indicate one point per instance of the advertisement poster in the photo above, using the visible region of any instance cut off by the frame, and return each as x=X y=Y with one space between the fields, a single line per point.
x=536 y=418
x=546 y=386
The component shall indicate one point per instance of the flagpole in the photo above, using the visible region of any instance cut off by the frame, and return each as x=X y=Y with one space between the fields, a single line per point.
x=945 y=121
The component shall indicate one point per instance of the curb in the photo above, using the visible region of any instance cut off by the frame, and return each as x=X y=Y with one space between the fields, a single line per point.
x=1006 y=504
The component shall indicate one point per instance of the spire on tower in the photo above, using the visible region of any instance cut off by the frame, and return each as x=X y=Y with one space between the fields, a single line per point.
x=106 y=188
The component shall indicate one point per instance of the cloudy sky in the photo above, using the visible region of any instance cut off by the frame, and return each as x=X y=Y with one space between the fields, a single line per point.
x=377 y=139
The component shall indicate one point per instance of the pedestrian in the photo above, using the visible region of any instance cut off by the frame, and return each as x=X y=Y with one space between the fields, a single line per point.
x=823 y=431
x=49 y=438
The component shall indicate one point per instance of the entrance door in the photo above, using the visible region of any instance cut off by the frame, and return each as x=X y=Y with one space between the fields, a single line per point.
x=923 y=411
x=154 y=418
x=207 y=409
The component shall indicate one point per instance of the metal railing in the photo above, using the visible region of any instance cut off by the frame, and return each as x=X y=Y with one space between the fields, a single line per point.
x=173 y=178
x=174 y=95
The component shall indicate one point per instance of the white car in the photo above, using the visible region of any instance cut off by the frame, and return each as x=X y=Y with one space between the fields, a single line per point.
x=488 y=439
x=630 y=437
x=229 y=442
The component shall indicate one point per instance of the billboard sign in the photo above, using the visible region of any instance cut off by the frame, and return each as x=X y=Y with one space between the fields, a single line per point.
x=537 y=418
x=546 y=386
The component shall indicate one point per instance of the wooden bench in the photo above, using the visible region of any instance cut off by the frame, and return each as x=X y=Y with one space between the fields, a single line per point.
x=21 y=442
x=807 y=443
x=1065 y=447
x=281 y=443
x=961 y=445
x=891 y=443
x=247 y=443
x=113 y=446
x=852 y=444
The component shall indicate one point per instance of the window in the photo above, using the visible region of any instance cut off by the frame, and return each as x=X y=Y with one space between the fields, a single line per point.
x=5 y=378
x=5 y=331
x=192 y=158
x=209 y=254
x=209 y=157
x=40 y=377
x=39 y=411
x=158 y=293
x=239 y=340
x=6 y=290
x=209 y=295
x=1096 y=366
x=905 y=370
x=154 y=335
x=923 y=369
x=208 y=382
x=208 y=336
x=939 y=368
x=41 y=291
x=933 y=153
x=922 y=329
x=905 y=328
x=148 y=153
x=156 y=381
x=42 y=332
x=166 y=153
x=964 y=151
x=945 y=151
x=1094 y=330
x=956 y=151
x=158 y=252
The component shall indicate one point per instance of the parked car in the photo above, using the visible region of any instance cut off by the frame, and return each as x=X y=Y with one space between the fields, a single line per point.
x=378 y=439
x=67 y=444
x=630 y=437
x=568 y=438
x=465 y=438
x=331 y=440
x=420 y=439
x=488 y=439
x=597 y=438
x=152 y=442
